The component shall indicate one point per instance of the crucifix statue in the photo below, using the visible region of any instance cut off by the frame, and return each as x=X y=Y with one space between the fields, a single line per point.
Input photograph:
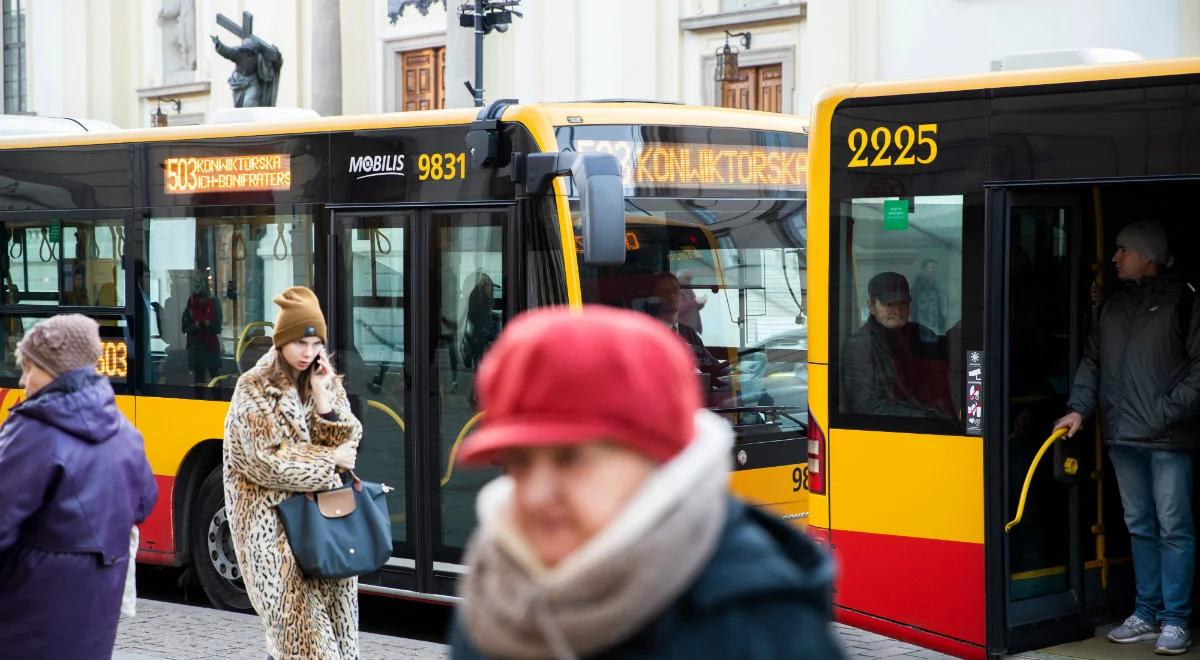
x=255 y=77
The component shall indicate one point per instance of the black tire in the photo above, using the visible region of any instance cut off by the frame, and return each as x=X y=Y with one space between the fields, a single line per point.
x=213 y=558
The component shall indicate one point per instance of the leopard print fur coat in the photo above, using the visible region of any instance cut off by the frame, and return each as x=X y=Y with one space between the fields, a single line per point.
x=275 y=446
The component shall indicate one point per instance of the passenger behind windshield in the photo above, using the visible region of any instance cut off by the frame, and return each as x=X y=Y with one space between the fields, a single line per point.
x=668 y=301
x=892 y=366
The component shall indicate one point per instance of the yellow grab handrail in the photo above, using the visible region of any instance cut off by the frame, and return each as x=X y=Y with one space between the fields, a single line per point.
x=390 y=413
x=1058 y=433
x=454 y=448
x=243 y=337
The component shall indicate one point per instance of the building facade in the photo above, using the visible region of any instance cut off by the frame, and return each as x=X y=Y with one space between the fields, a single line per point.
x=131 y=62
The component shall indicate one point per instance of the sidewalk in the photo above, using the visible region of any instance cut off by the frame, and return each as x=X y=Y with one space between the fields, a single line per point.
x=167 y=631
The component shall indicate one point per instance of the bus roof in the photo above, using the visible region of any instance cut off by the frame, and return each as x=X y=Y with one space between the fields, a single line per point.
x=1009 y=79
x=547 y=115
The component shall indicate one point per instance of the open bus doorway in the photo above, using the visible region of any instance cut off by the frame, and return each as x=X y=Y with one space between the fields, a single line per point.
x=1067 y=568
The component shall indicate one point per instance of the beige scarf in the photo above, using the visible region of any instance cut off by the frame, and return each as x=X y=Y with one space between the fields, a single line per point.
x=619 y=581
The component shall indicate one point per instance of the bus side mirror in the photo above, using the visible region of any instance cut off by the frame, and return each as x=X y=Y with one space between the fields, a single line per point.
x=597 y=177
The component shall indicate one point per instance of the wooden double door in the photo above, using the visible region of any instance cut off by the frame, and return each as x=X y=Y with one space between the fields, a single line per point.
x=758 y=88
x=421 y=79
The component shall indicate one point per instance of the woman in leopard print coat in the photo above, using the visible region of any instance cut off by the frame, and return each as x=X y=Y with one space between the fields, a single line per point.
x=278 y=443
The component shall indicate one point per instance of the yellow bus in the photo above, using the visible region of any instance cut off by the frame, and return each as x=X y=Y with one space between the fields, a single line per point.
x=997 y=199
x=422 y=234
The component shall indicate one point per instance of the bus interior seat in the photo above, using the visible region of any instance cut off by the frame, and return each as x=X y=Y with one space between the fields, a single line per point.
x=256 y=347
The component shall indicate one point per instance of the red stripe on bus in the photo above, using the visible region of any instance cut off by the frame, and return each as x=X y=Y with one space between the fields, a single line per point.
x=954 y=647
x=157 y=533
x=936 y=586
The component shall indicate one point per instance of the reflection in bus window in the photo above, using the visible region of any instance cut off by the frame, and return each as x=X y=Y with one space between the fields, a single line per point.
x=899 y=307
x=729 y=276
x=469 y=296
x=209 y=285
x=72 y=263
x=371 y=351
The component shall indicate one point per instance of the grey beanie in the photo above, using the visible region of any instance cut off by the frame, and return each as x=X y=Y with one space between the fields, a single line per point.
x=61 y=343
x=1149 y=239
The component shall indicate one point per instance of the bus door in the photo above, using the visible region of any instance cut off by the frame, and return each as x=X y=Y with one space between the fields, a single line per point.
x=1041 y=239
x=419 y=295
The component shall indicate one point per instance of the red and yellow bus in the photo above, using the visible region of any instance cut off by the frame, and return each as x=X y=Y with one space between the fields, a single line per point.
x=422 y=233
x=998 y=198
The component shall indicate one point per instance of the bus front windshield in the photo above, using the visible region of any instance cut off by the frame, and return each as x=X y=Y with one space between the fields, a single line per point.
x=730 y=278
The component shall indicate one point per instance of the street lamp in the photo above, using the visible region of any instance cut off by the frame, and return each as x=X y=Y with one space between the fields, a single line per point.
x=727 y=58
x=158 y=118
x=485 y=16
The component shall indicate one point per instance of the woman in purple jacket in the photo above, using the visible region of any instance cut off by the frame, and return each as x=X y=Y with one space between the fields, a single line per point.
x=73 y=480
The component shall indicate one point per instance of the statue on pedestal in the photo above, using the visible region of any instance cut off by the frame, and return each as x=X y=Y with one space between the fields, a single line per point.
x=255 y=77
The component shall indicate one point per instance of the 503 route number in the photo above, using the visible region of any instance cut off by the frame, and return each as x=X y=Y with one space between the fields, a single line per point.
x=800 y=478
x=888 y=147
x=442 y=167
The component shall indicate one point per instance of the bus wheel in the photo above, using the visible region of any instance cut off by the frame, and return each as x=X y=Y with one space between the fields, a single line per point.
x=212 y=548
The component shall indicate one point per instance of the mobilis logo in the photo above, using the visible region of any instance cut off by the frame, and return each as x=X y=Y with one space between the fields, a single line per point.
x=368 y=166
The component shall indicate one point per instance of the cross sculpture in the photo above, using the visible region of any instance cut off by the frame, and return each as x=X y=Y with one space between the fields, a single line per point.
x=255 y=77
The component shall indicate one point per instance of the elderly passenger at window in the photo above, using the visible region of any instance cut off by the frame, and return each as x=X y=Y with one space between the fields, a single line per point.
x=886 y=367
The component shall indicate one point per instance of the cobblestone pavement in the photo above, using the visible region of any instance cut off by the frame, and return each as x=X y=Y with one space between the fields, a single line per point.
x=863 y=644
x=168 y=631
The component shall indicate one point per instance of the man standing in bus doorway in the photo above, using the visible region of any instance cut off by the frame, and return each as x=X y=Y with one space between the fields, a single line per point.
x=1141 y=369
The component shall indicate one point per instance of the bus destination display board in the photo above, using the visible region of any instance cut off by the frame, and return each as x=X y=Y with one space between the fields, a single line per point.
x=212 y=174
x=114 y=359
x=706 y=165
x=698 y=161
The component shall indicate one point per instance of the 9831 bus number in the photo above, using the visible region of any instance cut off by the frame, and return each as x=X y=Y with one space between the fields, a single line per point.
x=912 y=146
x=442 y=167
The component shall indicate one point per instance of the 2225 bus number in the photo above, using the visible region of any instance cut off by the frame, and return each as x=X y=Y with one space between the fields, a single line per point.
x=912 y=146
x=442 y=167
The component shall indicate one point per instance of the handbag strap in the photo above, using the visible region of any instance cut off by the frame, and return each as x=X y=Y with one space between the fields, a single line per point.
x=358 y=484
x=354 y=480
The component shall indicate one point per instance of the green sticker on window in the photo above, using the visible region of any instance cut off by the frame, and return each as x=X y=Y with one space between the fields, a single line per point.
x=55 y=233
x=895 y=214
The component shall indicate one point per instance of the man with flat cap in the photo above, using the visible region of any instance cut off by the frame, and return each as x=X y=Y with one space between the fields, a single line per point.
x=1141 y=372
x=889 y=366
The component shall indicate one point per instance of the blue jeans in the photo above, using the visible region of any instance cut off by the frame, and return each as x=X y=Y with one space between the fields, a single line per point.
x=1156 y=491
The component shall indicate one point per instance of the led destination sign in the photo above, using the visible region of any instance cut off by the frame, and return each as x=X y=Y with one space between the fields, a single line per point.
x=707 y=165
x=114 y=359
x=227 y=174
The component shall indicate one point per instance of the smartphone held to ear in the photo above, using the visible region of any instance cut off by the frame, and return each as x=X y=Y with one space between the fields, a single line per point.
x=317 y=365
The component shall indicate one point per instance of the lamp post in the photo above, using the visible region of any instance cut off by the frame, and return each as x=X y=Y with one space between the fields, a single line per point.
x=727 y=58
x=484 y=16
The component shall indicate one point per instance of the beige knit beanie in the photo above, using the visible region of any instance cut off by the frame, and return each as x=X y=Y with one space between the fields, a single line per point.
x=299 y=316
x=61 y=343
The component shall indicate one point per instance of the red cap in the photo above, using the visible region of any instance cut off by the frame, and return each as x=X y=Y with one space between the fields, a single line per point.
x=560 y=376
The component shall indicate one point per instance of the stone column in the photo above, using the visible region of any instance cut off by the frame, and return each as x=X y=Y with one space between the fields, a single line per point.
x=327 y=57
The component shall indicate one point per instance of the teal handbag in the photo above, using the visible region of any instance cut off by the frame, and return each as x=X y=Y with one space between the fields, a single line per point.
x=341 y=532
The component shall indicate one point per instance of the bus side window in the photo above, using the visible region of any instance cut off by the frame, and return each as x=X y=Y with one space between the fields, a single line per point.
x=900 y=311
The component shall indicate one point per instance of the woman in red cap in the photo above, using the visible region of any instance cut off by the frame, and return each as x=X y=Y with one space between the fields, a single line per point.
x=612 y=533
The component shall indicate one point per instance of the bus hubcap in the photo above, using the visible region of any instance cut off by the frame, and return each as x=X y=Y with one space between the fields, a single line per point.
x=220 y=550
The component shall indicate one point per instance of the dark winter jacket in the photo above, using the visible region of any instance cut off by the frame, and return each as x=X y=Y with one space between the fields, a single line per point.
x=1141 y=366
x=73 y=481
x=896 y=372
x=764 y=595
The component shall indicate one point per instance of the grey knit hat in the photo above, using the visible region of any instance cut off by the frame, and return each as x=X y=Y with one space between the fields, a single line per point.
x=61 y=343
x=1147 y=238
